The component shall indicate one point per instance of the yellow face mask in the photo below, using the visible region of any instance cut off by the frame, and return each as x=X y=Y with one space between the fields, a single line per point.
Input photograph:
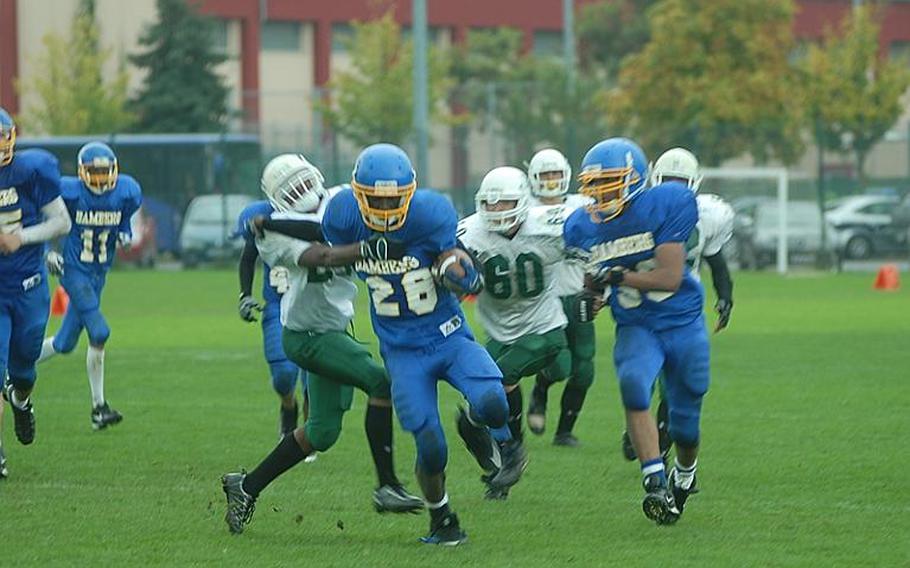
x=7 y=144
x=609 y=188
x=384 y=207
x=99 y=178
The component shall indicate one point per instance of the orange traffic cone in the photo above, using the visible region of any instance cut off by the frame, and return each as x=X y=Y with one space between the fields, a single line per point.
x=59 y=301
x=888 y=278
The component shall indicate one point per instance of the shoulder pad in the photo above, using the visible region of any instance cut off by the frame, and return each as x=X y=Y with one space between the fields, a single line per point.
x=545 y=221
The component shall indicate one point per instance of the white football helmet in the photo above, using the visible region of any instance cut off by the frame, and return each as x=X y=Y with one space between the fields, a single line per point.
x=503 y=184
x=549 y=160
x=677 y=163
x=293 y=184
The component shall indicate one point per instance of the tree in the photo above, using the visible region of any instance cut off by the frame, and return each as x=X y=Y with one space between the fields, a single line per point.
x=715 y=77
x=373 y=100
x=854 y=95
x=525 y=97
x=73 y=95
x=183 y=91
x=610 y=30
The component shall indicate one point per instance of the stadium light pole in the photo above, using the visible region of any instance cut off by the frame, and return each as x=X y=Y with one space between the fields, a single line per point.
x=421 y=96
x=568 y=49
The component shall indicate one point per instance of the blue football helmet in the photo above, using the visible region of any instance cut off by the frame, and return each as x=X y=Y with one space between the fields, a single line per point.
x=7 y=138
x=98 y=167
x=384 y=183
x=612 y=173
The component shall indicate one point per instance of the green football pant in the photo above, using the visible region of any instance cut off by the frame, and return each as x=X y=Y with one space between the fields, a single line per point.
x=531 y=354
x=581 y=341
x=336 y=364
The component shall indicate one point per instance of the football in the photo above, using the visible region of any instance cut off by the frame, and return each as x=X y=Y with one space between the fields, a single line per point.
x=449 y=262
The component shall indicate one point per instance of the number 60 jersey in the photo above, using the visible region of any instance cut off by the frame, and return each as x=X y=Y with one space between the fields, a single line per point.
x=97 y=220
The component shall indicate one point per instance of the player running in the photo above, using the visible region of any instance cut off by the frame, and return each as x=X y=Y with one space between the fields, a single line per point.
x=714 y=229
x=316 y=311
x=634 y=244
x=31 y=213
x=520 y=250
x=550 y=174
x=422 y=331
x=100 y=202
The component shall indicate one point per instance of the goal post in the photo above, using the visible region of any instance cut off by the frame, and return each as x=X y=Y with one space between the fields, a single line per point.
x=779 y=178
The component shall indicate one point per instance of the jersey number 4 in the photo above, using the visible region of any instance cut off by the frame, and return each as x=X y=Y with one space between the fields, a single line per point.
x=88 y=245
x=419 y=293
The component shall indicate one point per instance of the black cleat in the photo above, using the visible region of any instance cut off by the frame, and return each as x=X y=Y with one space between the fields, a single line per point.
x=240 y=504
x=492 y=492
x=395 y=499
x=103 y=416
x=288 y=421
x=565 y=439
x=478 y=441
x=447 y=532
x=628 y=450
x=4 y=472
x=514 y=463
x=658 y=504
x=537 y=411
x=23 y=418
x=680 y=495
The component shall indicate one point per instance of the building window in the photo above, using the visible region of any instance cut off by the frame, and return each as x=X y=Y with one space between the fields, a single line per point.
x=220 y=35
x=281 y=36
x=547 y=43
x=342 y=34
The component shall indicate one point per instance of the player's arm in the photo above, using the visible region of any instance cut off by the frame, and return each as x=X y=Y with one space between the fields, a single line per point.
x=667 y=275
x=246 y=269
x=723 y=288
x=310 y=231
x=56 y=223
x=376 y=248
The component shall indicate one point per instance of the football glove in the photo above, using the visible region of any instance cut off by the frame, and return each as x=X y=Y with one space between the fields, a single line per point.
x=609 y=276
x=586 y=307
x=124 y=240
x=724 y=308
x=54 y=262
x=379 y=247
x=470 y=283
x=247 y=308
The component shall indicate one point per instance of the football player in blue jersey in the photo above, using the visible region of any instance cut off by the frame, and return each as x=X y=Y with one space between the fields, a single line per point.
x=100 y=202
x=633 y=241
x=275 y=282
x=423 y=334
x=31 y=213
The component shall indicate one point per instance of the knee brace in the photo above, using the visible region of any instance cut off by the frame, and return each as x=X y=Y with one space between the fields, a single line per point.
x=432 y=452
x=636 y=391
x=491 y=408
x=284 y=377
x=322 y=436
x=96 y=327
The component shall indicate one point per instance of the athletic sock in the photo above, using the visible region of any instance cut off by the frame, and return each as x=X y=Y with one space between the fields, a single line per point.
x=572 y=400
x=654 y=467
x=378 y=424
x=440 y=510
x=685 y=475
x=516 y=406
x=47 y=349
x=286 y=455
x=94 y=364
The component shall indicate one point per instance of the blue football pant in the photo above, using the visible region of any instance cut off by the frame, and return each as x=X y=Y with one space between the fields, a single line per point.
x=461 y=362
x=683 y=354
x=84 y=311
x=23 y=321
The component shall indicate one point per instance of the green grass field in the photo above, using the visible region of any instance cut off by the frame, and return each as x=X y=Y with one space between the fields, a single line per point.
x=804 y=430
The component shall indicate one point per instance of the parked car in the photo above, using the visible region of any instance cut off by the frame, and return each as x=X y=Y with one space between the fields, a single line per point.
x=143 y=250
x=756 y=241
x=207 y=227
x=863 y=225
x=900 y=220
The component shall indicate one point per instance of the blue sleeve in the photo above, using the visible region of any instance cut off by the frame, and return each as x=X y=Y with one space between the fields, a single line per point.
x=680 y=212
x=336 y=221
x=130 y=205
x=47 y=179
x=69 y=191
x=444 y=224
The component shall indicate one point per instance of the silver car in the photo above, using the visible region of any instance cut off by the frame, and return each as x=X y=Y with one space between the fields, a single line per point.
x=207 y=227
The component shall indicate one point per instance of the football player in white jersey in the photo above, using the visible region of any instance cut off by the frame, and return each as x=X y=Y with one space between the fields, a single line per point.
x=713 y=230
x=316 y=312
x=550 y=173
x=520 y=250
